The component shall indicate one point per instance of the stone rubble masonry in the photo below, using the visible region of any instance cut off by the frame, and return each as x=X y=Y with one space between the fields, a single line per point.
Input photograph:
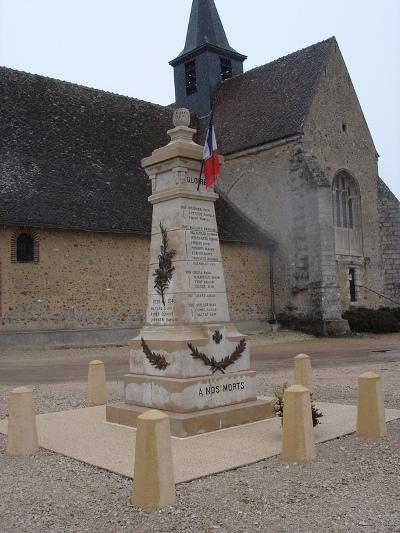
x=389 y=218
x=22 y=430
x=96 y=385
x=335 y=108
x=88 y=280
x=153 y=485
x=371 y=421
x=305 y=282
x=82 y=280
x=297 y=433
x=302 y=371
x=286 y=188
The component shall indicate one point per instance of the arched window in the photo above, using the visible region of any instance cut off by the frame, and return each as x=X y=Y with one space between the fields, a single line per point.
x=25 y=248
x=347 y=214
x=345 y=201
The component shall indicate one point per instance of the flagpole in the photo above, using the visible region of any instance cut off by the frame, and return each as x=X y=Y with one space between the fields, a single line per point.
x=202 y=161
x=201 y=172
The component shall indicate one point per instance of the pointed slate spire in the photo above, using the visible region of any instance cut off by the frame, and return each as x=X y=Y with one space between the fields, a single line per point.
x=205 y=28
x=206 y=61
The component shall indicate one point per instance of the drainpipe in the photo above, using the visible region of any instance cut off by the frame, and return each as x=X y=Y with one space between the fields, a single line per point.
x=271 y=283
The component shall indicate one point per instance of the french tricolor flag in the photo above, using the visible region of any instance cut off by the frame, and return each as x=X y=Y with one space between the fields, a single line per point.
x=211 y=156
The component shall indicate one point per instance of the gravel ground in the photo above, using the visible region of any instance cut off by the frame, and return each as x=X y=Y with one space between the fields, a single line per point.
x=354 y=485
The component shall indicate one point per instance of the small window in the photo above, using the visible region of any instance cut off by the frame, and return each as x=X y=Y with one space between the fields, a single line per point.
x=226 y=68
x=25 y=248
x=344 y=127
x=190 y=78
x=352 y=285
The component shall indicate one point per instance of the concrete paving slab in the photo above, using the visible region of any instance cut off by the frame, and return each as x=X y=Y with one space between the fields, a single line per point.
x=84 y=435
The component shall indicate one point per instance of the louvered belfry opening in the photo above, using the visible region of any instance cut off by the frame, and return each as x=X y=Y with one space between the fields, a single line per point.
x=190 y=77
x=226 y=68
x=206 y=61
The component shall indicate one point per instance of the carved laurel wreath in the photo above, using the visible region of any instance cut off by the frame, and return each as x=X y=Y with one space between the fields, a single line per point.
x=218 y=365
x=156 y=359
x=163 y=274
x=160 y=362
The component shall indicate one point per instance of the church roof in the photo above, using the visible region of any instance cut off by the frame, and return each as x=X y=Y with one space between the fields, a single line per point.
x=205 y=30
x=270 y=102
x=70 y=155
x=70 y=158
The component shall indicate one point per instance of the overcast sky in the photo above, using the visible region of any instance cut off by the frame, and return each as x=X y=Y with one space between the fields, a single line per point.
x=124 y=46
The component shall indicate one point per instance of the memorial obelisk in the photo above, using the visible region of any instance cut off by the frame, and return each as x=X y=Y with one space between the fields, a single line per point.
x=189 y=359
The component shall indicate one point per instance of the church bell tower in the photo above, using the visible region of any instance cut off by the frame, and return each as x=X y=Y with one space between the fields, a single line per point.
x=206 y=61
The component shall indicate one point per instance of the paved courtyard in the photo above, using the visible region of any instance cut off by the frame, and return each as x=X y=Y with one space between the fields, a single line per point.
x=353 y=485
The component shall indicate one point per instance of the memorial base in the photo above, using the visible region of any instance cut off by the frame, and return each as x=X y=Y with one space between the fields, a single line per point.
x=188 y=424
x=190 y=394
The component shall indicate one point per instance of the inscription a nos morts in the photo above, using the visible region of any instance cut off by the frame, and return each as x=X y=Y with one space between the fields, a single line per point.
x=209 y=390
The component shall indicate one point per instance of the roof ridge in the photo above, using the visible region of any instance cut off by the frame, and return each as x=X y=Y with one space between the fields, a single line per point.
x=316 y=83
x=87 y=87
x=333 y=39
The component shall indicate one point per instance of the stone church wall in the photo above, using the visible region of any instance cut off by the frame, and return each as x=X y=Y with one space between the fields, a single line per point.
x=313 y=230
x=269 y=186
x=389 y=211
x=99 y=280
x=286 y=189
x=247 y=281
x=258 y=183
x=82 y=279
x=336 y=135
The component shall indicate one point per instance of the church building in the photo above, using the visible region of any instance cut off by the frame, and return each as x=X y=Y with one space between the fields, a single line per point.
x=308 y=229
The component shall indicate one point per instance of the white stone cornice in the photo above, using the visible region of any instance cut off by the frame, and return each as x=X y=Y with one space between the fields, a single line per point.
x=180 y=192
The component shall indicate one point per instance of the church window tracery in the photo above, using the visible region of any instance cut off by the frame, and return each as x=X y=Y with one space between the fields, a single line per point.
x=347 y=215
x=345 y=200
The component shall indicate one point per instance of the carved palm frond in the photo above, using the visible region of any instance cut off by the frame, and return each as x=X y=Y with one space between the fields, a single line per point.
x=199 y=355
x=163 y=274
x=156 y=359
x=215 y=365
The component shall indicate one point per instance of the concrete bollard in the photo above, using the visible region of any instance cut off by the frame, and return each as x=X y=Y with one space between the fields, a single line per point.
x=22 y=431
x=297 y=434
x=154 y=484
x=96 y=386
x=303 y=371
x=371 y=421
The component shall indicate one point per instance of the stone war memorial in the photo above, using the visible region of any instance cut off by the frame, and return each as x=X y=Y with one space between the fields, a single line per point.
x=157 y=335
x=189 y=359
